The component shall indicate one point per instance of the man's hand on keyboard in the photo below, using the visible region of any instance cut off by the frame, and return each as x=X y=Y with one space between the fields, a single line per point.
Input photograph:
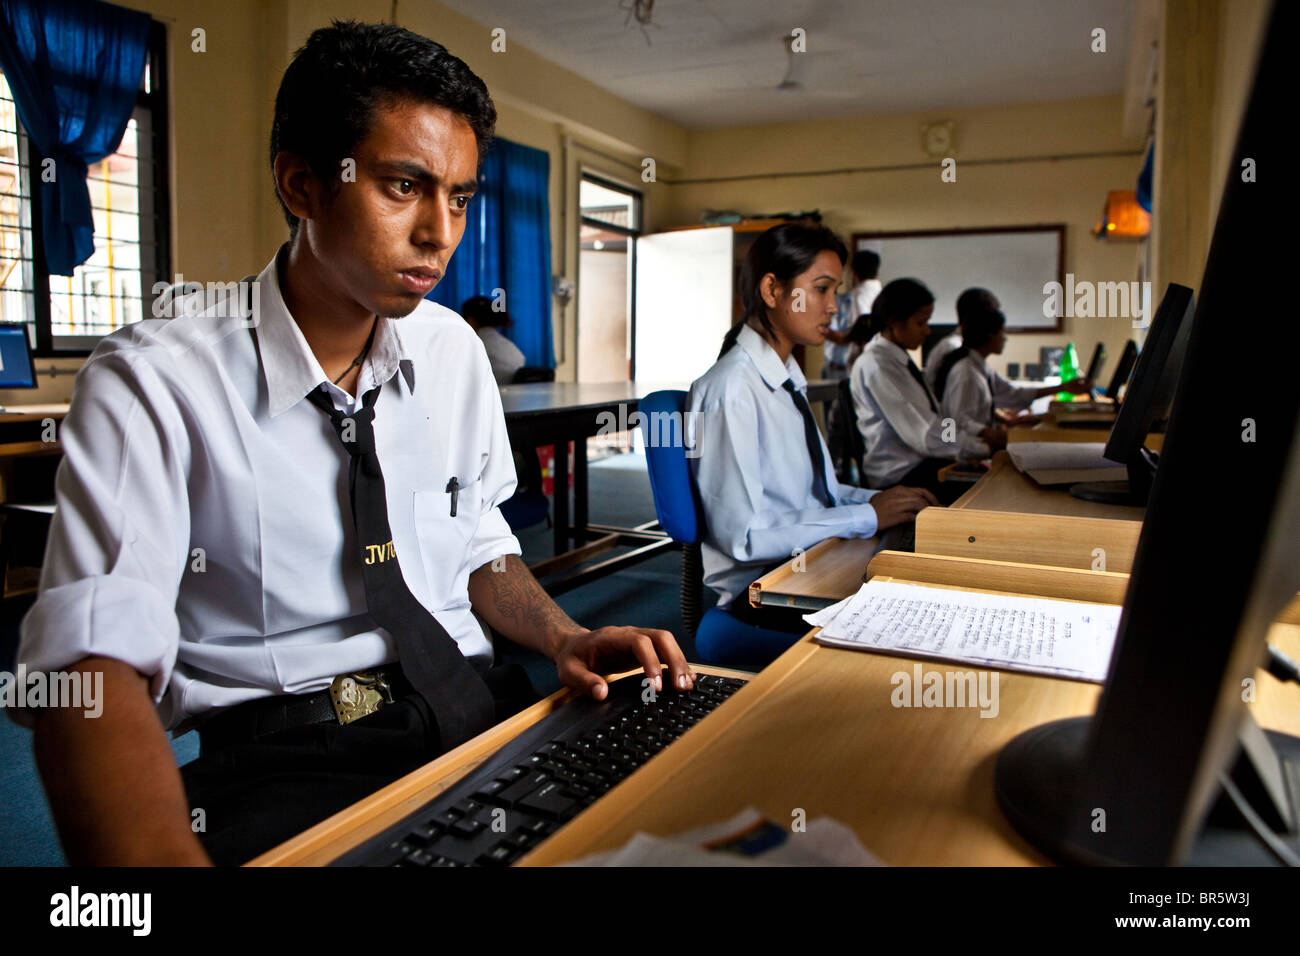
x=585 y=656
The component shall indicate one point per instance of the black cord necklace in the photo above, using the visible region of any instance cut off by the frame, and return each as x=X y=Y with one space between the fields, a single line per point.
x=362 y=354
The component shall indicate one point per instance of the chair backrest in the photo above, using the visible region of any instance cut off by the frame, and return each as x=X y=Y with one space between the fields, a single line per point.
x=852 y=447
x=677 y=503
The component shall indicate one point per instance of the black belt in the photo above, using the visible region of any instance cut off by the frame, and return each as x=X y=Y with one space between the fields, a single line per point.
x=271 y=715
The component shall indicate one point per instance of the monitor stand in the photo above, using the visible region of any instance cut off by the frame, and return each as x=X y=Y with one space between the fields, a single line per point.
x=1135 y=491
x=1041 y=786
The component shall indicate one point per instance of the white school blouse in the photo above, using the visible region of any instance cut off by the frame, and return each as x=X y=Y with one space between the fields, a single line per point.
x=941 y=350
x=899 y=429
x=203 y=531
x=753 y=470
x=974 y=390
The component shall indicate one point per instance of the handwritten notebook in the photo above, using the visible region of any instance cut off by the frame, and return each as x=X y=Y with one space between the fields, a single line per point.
x=1033 y=635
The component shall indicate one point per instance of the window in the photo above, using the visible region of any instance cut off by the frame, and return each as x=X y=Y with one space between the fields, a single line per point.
x=609 y=222
x=67 y=315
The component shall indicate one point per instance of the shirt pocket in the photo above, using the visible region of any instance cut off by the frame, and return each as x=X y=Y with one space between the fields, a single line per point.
x=445 y=539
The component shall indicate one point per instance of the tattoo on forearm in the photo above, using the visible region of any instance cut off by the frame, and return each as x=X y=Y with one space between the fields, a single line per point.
x=517 y=596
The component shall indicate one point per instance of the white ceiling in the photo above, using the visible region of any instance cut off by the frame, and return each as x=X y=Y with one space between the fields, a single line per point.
x=715 y=63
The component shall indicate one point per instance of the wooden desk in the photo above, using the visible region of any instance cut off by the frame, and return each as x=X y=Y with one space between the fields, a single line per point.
x=816 y=731
x=22 y=430
x=822 y=575
x=1005 y=516
x=32 y=413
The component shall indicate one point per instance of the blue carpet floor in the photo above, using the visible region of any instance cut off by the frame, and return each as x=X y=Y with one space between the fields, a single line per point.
x=645 y=595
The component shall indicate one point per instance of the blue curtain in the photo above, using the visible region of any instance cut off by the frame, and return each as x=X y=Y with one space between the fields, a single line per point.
x=1144 y=180
x=74 y=67
x=507 y=245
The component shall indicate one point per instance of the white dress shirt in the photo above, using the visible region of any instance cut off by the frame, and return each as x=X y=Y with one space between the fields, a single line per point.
x=898 y=427
x=973 y=390
x=753 y=471
x=942 y=349
x=504 y=355
x=864 y=297
x=203 y=531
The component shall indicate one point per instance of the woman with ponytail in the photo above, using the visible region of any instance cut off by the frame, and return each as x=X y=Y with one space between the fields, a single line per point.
x=764 y=474
x=970 y=391
x=907 y=440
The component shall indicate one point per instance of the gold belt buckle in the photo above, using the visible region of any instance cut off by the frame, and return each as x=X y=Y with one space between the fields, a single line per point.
x=358 y=695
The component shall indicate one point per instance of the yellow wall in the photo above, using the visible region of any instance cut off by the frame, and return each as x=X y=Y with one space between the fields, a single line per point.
x=226 y=223
x=1004 y=178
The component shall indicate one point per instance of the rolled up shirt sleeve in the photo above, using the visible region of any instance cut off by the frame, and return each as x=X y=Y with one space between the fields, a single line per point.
x=119 y=539
x=1006 y=395
x=729 y=475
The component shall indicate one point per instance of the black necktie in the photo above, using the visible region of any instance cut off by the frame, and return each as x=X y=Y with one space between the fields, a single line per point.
x=460 y=701
x=915 y=372
x=813 y=441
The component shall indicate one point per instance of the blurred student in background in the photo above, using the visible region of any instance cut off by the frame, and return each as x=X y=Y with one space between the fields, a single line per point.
x=968 y=388
x=503 y=355
x=906 y=440
x=968 y=303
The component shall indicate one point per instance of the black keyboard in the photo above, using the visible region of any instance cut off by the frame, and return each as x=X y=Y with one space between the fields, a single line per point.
x=544 y=777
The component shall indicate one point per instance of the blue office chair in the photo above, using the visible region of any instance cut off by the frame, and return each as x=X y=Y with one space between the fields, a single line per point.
x=719 y=637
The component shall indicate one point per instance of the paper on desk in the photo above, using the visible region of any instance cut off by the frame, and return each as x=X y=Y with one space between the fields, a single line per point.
x=1029 y=456
x=747 y=839
x=1034 y=635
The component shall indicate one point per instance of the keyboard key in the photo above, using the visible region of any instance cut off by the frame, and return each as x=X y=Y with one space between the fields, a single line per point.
x=467 y=807
x=549 y=801
x=489 y=790
x=392 y=854
x=521 y=788
x=467 y=827
x=500 y=855
x=426 y=833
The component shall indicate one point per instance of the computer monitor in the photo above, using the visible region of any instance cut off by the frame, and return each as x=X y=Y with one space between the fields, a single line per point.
x=1097 y=363
x=1127 y=359
x=1159 y=773
x=1150 y=394
x=17 y=370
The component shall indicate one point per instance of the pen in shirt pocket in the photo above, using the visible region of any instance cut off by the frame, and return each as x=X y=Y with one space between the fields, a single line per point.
x=453 y=489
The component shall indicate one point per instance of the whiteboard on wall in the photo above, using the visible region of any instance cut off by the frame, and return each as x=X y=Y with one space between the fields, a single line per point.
x=1012 y=263
x=683 y=302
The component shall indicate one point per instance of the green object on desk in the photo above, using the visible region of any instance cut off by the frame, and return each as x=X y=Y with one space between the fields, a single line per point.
x=1069 y=371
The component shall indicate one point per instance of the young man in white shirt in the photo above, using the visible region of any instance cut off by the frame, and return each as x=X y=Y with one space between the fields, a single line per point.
x=205 y=557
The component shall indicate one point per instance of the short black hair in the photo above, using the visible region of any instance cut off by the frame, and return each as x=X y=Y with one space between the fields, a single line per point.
x=787 y=251
x=981 y=326
x=479 y=309
x=973 y=301
x=866 y=264
x=327 y=98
